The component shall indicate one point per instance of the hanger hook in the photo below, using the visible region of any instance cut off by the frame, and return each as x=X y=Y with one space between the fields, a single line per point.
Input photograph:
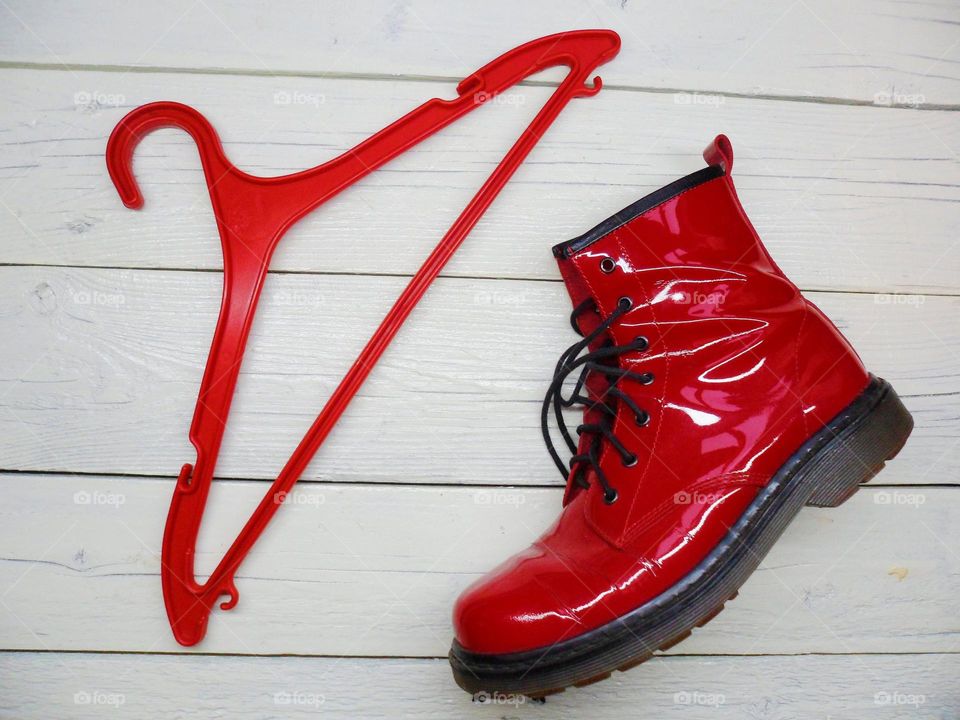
x=589 y=90
x=140 y=122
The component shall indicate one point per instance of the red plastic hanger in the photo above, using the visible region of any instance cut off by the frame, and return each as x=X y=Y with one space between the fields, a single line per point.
x=252 y=215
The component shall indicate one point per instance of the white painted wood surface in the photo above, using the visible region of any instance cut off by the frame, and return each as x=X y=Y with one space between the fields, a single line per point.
x=106 y=360
x=361 y=570
x=437 y=470
x=847 y=198
x=813 y=49
x=723 y=688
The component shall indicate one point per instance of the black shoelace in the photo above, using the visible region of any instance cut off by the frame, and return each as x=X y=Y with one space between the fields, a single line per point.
x=602 y=361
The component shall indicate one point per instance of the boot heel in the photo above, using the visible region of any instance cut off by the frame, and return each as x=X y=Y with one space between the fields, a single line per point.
x=860 y=450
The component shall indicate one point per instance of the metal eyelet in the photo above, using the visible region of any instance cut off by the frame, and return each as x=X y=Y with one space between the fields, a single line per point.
x=641 y=343
x=646 y=378
x=631 y=462
x=608 y=265
x=642 y=418
x=625 y=303
x=610 y=497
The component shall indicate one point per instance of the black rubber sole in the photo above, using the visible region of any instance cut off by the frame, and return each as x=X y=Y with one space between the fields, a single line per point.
x=824 y=472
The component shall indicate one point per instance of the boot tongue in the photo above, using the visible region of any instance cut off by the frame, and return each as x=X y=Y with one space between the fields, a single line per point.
x=587 y=321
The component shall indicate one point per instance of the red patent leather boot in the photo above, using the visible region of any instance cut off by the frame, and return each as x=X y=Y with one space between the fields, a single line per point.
x=718 y=402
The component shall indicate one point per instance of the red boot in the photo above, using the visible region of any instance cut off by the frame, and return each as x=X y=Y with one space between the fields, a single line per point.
x=718 y=402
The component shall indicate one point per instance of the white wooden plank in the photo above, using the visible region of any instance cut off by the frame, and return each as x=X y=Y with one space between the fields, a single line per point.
x=816 y=48
x=374 y=570
x=847 y=198
x=80 y=686
x=104 y=371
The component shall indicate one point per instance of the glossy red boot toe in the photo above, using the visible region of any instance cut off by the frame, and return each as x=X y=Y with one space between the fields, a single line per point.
x=515 y=601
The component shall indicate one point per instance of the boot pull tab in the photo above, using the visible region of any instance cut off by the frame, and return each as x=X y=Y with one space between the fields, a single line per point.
x=720 y=152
